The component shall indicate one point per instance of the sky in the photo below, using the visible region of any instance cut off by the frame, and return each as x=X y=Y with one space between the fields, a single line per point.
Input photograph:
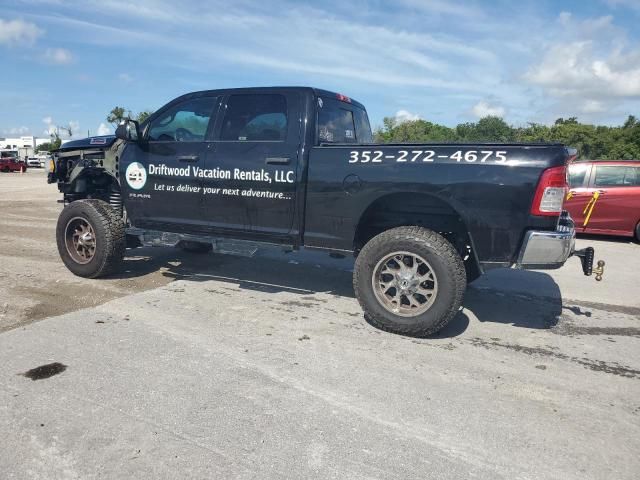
x=68 y=63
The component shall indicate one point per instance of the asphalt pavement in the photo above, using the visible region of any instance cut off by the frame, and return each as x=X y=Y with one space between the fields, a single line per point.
x=264 y=368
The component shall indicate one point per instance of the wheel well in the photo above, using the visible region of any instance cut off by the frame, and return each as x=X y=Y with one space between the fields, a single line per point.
x=424 y=210
x=94 y=183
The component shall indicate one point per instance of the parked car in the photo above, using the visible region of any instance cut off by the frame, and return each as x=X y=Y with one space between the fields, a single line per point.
x=298 y=167
x=604 y=197
x=36 y=162
x=9 y=162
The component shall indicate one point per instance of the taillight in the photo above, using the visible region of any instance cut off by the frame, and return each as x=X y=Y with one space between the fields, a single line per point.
x=550 y=192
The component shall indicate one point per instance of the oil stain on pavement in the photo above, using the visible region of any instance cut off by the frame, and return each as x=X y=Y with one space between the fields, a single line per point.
x=45 y=371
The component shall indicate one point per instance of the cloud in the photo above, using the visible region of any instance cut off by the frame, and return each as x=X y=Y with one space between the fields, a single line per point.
x=593 y=106
x=58 y=56
x=104 y=129
x=125 y=77
x=405 y=116
x=484 y=109
x=252 y=37
x=50 y=126
x=588 y=67
x=576 y=69
x=72 y=129
x=18 y=33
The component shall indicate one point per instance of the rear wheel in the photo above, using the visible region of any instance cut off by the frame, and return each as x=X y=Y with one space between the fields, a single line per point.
x=91 y=238
x=638 y=232
x=409 y=280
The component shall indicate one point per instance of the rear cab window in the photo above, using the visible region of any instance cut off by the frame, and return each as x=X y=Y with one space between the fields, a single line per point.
x=341 y=122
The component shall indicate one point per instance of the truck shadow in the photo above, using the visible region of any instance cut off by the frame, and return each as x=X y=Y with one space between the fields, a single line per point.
x=519 y=298
x=511 y=297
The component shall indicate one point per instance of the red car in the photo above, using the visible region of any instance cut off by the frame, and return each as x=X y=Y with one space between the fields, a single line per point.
x=604 y=197
x=9 y=162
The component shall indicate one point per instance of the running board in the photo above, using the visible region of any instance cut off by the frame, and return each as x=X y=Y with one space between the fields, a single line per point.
x=137 y=237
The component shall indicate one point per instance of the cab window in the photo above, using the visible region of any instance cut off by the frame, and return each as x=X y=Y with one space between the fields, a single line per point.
x=187 y=121
x=616 y=176
x=255 y=118
x=335 y=122
x=363 y=127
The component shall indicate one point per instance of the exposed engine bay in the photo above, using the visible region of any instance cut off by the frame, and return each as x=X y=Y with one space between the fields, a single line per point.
x=88 y=168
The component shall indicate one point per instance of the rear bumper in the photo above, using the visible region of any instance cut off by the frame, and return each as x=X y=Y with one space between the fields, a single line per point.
x=548 y=250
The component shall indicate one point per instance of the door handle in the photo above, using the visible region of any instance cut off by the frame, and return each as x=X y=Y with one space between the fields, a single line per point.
x=277 y=160
x=189 y=158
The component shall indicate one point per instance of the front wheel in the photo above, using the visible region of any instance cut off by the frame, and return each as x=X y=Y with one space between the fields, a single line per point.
x=91 y=238
x=638 y=232
x=409 y=280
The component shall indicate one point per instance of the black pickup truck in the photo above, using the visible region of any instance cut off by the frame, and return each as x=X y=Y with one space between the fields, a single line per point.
x=296 y=166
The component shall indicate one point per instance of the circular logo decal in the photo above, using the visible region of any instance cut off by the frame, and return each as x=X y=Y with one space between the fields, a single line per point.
x=136 y=175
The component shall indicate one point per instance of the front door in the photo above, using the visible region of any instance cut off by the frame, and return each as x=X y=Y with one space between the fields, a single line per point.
x=252 y=167
x=162 y=187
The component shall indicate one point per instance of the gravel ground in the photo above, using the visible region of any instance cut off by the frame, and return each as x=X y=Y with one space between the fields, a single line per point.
x=34 y=284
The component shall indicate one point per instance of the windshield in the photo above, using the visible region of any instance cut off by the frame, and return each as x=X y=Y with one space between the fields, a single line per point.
x=9 y=154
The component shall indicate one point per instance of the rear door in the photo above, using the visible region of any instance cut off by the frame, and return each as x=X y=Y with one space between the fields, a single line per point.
x=616 y=210
x=579 y=192
x=252 y=167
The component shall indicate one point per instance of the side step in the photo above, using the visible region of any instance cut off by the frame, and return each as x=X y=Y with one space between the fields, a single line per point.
x=150 y=238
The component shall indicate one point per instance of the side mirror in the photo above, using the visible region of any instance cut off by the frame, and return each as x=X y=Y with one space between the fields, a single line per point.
x=128 y=130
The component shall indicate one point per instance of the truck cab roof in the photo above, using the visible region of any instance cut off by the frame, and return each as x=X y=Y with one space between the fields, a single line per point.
x=316 y=92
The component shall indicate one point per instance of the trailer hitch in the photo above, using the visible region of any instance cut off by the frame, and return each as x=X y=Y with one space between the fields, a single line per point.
x=586 y=258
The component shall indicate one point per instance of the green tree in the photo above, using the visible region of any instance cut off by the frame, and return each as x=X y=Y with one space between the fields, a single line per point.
x=592 y=141
x=413 y=131
x=44 y=147
x=143 y=115
x=116 y=115
x=56 y=141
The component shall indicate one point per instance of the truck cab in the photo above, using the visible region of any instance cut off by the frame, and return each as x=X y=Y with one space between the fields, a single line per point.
x=241 y=157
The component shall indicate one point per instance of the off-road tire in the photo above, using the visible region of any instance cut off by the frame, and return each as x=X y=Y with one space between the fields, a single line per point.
x=446 y=263
x=195 y=247
x=109 y=234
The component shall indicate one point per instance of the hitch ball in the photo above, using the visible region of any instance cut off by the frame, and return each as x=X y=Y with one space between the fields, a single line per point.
x=599 y=270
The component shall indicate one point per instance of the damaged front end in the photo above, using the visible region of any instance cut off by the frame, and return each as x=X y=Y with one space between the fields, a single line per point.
x=88 y=168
